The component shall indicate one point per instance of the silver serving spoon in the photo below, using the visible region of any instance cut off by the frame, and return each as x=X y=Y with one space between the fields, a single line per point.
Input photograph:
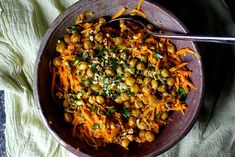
x=198 y=38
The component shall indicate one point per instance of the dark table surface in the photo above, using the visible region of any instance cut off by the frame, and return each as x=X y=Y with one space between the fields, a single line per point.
x=2 y=125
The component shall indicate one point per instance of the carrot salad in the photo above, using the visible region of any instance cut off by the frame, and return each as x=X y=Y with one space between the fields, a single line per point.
x=118 y=84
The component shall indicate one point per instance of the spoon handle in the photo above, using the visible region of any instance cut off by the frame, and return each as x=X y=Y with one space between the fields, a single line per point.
x=214 y=39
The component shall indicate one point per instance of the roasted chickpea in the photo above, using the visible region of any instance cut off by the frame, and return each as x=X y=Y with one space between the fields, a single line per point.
x=135 y=88
x=125 y=143
x=142 y=135
x=133 y=62
x=132 y=99
x=124 y=96
x=60 y=46
x=149 y=136
x=88 y=44
x=154 y=84
x=139 y=79
x=150 y=26
x=152 y=99
x=119 y=69
x=75 y=38
x=161 y=88
x=156 y=129
x=110 y=72
x=91 y=52
x=68 y=117
x=170 y=81
x=83 y=65
x=171 y=48
x=142 y=125
x=92 y=99
x=57 y=61
x=164 y=116
x=99 y=37
x=132 y=121
x=67 y=102
x=118 y=100
x=136 y=113
x=95 y=87
x=67 y=38
x=147 y=80
x=99 y=46
x=140 y=66
x=90 y=73
x=118 y=40
x=138 y=104
x=165 y=72
x=146 y=72
x=102 y=21
x=127 y=104
x=99 y=99
x=147 y=91
x=130 y=81
x=127 y=74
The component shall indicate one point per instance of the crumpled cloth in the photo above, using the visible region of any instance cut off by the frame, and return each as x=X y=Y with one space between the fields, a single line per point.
x=22 y=26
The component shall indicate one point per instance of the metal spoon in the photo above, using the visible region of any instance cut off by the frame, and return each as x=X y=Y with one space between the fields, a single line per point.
x=198 y=38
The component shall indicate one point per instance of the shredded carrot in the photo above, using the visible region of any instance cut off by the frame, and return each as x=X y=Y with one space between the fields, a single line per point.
x=120 y=13
x=138 y=12
x=139 y=5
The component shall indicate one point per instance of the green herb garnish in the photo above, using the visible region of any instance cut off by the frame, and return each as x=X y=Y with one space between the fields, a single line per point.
x=158 y=116
x=157 y=56
x=95 y=126
x=95 y=109
x=182 y=92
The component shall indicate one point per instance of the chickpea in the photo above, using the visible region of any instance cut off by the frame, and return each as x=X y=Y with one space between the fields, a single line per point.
x=102 y=21
x=90 y=73
x=142 y=134
x=156 y=129
x=68 y=117
x=133 y=62
x=152 y=99
x=99 y=46
x=132 y=99
x=161 y=88
x=127 y=104
x=127 y=74
x=146 y=72
x=83 y=65
x=140 y=66
x=91 y=52
x=88 y=44
x=164 y=116
x=150 y=26
x=75 y=38
x=118 y=40
x=132 y=121
x=149 y=136
x=99 y=37
x=164 y=72
x=134 y=88
x=170 y=81
x=125 y=143
x=119 y=69
x=154 y=84
x=142 y=125
x=60 y=46
x=130 y=81
x=57 y=61
x=92 y=99
x=118 y=100
x=67 y=103
x=99 y=99
x=67 y=38
x=145 y=100
x=138 y=104
x=136 y=113
x=139 y=79
x=146 y=91
x=144 y=59
x=110 y=71
x=95 y=87
x=124 y=96
x=147 y=80
x=171 y=48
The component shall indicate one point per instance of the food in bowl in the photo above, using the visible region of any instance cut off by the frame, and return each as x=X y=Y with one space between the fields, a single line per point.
x=118 y=84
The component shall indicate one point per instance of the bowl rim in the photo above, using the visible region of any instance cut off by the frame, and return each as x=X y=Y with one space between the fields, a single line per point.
x=43 y=44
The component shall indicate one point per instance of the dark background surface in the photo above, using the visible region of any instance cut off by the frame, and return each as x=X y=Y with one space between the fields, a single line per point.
x=200 y=17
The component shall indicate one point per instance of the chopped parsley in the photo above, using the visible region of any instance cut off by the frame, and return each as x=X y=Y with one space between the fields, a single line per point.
x=157 y=56
x=95 y=126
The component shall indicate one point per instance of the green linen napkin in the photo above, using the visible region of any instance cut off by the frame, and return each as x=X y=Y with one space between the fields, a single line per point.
x=22 y=26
